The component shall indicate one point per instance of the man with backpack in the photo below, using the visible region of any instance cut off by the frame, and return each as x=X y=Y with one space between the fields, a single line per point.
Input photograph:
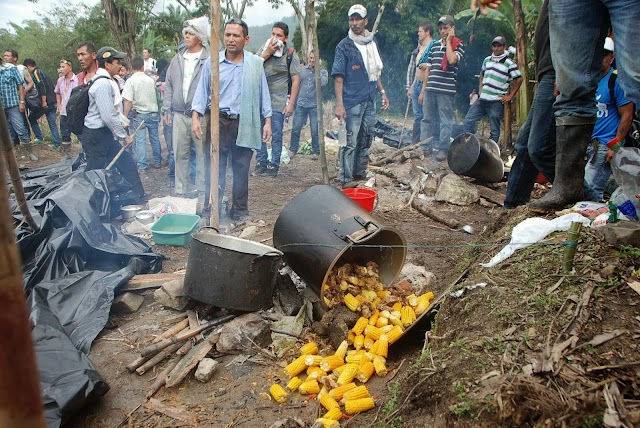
x=102 y=123
x=282 y=67
x=613 y=121
x=498 y=71
x=46 y=105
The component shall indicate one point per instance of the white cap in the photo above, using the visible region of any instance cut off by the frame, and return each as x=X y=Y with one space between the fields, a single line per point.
x=608 y=44
x=359 y=9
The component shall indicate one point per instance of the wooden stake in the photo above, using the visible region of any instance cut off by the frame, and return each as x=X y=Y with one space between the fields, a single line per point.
x=117 y=156
x=214 y=122
x=188 y=363
x=182 y=325
x=157 y=358
x=571 y=246
x=20 y=396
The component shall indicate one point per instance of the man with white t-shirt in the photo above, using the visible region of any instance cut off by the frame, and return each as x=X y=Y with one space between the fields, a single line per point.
x=181 y=82
x=149 y=63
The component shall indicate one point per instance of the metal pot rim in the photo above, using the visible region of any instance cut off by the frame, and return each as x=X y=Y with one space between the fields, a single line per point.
x=233 y=243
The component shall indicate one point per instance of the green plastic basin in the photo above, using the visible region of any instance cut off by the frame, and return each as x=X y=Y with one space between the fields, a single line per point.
x=174 y=229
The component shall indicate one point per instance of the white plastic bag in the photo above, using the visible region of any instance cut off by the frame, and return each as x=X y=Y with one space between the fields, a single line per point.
x=533 y=230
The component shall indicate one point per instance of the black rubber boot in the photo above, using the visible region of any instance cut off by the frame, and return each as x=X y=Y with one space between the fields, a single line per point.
x=573 y=135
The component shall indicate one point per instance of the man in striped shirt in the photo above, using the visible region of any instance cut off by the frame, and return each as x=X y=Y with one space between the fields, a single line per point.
x=498 y=71
x=439 y=87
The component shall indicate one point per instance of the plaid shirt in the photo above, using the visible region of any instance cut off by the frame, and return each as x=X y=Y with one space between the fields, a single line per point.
x=10 y=78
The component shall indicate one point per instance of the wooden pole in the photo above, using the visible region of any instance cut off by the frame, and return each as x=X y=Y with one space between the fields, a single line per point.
x=14 y=172
x=214 y=158
x=20 y=399
x=521 y=59
x=313 y=24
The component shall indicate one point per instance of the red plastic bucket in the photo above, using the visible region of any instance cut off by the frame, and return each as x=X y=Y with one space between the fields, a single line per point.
x=366 y=198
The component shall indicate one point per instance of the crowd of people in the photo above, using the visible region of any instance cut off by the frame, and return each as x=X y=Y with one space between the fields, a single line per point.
x=260 y=92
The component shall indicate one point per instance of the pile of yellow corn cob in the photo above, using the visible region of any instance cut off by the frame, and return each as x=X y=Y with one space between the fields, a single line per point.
x=333 y=378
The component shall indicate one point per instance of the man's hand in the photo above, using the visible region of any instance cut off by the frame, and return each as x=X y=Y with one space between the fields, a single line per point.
x=273 y=47
x=341 y=113
x=609 y=157
x=266 y=133
x=409 y=92
x=288 y=110
x=485 y=5
x=196 y=129
x=423 y=66
x=385 y=102
x=167 y=118
x=451 y=34
x=21 y=106
x=45 y=105
x=421 y=97
x=128 y=140
x=506 y=98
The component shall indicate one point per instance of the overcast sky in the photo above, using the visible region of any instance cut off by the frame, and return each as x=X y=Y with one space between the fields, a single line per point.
x=18 y=10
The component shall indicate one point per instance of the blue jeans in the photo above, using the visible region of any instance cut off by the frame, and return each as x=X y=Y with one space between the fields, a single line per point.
x=417 y=110
x=437 y=108
x=151 y=122
x=597 y=172
x=277 y=125
x=50 y=113
x=494 y=110
x=299 y=120
x=535 y=146
x=354 y=157
x=16 y=124
x=577 y=32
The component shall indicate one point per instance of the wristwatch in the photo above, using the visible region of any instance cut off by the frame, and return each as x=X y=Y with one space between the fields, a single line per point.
x=382 y=92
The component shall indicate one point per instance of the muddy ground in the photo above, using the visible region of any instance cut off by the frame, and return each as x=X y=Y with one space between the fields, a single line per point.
x=475 y=368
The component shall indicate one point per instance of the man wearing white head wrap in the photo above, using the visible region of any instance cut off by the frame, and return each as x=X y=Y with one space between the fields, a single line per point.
x=181 y=82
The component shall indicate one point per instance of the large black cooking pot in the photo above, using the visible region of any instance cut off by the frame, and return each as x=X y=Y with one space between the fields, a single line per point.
x=230 y=272
x=477 y=157
x=321 y=227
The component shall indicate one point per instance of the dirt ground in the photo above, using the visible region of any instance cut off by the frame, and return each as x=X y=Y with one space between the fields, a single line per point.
x=474 y=369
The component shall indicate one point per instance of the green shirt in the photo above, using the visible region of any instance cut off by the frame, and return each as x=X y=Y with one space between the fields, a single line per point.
x=278 y=79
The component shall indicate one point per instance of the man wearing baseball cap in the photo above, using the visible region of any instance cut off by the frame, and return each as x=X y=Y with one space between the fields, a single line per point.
x=102 y=124
x=498 y=71
x=439 y=87
x=357 y=68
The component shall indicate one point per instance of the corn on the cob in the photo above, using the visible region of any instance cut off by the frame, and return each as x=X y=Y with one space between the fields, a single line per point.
x=395 y=320
x=374 y=347
x=359 y=405
x=356 y=393
x=382 y=347
x=373 y=332
x=382 y=321
x=312 y=360
x=347 y=374
x=358 y=328
x=294 y=383
x=357 y=358
x=309 y=387
x=366 y=371
x=328 y=423
x=423 y=303
x=397 y=306
x=351 y=302
x=278 y=393
x=361 y=299
x=394 y=334
x=350 y=337
x=331 y=362
x=369 y=343
x=310 y=348
x=328 y=402
x=342 y=349
x=336 y=372
x=408 y=315
x=412 y=300
x=334 y=414
x=358 y=342
x=370 y=295
x=383 y=293
x=379 y=364
x=374 y=318
x=296 y=366
x=339 y=392
x=315 y=373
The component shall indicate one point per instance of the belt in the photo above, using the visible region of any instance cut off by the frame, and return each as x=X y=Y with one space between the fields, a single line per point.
x=229 y=115
x=184 y=113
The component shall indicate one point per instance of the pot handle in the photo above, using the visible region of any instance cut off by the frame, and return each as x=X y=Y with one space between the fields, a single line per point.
x=273 y=252
x=208 y=227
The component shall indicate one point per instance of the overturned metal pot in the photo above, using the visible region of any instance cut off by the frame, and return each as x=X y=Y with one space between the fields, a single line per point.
x=230 y=272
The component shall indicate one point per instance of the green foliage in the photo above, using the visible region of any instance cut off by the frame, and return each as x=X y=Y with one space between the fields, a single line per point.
x=629 y=253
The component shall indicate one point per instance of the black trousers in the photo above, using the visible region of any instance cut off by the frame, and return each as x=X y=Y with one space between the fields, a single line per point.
x=65 y=132
x=100 y=148
x=240 y=165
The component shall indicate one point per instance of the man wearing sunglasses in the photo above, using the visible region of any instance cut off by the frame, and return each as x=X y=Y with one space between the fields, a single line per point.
x=244 y=100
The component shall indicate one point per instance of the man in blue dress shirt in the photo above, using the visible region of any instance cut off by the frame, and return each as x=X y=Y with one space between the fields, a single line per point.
x=244 y=99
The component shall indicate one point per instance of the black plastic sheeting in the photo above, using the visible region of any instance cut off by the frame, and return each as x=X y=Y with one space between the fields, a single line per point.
x=72 y=270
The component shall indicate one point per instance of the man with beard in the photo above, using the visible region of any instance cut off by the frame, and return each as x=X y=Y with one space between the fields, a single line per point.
x=357 y=68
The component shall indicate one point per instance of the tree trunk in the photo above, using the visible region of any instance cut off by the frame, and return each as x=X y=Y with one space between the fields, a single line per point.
x=521 y=58
x=303 y=24
x=121 y=15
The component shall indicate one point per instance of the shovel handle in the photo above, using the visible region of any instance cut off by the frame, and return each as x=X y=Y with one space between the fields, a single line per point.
x=117 y=156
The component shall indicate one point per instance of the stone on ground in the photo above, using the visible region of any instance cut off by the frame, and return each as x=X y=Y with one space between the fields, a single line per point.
x=127 y=303
x=248 y=232
x=205 y=369
x=456 y=191
x=243 y=334
x=421 y=279
x=171 y=295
